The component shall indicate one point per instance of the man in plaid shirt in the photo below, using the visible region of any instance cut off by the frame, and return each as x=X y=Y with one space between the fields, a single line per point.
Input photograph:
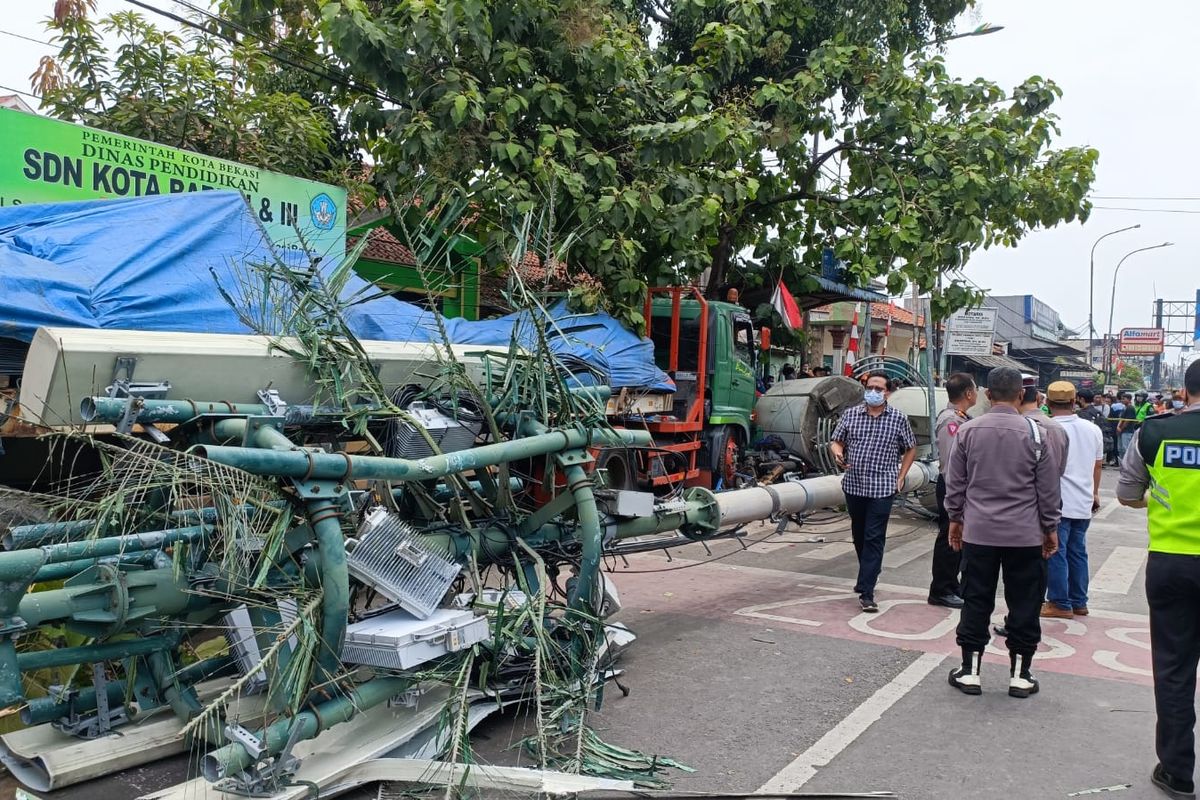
x=874 y=444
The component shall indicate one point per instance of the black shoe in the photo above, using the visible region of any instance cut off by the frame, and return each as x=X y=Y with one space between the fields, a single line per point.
x=948 y=600
x=867 y=603
x=1174 y=787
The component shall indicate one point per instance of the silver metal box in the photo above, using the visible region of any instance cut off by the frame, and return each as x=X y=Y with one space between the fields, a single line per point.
x=398 y=640
x=391 y=557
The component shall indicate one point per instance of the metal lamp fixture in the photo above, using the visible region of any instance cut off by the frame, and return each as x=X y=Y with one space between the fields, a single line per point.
x=1112 y=304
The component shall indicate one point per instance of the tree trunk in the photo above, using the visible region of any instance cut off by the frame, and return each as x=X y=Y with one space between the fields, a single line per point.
x=722 y=253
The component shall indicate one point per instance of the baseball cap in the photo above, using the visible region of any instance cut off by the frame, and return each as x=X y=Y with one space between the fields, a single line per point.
x=1060 y=392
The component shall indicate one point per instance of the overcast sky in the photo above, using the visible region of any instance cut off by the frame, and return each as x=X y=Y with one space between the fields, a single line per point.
x=1129 y=89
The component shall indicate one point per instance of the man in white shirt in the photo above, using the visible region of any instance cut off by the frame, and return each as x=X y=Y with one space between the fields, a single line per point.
x=1067 y=569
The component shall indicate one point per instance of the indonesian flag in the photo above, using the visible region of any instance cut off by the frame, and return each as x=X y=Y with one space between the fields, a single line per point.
x=785 y=305
x=852 y=347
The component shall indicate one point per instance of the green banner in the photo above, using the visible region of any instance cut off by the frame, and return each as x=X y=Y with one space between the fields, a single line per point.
x=49 y=161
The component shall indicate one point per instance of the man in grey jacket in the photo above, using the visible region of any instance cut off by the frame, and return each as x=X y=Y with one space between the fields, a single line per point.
x=1003 y=500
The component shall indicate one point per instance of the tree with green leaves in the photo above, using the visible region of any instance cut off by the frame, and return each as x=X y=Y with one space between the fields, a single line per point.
x=745 y=138
x=1130 y=377
x=191 y=88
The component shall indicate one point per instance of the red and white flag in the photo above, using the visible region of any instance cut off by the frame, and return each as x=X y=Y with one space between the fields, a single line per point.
x=887 y=329
x=785 y=305
x=852 y=347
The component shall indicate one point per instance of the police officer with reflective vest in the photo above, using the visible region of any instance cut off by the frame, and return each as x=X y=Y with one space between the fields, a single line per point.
x=1161 y=472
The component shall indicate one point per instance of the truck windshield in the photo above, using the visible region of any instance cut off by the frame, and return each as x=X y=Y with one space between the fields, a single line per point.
x=743 y=338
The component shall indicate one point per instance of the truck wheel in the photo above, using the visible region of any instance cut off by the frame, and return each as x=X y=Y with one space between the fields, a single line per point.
x=726 y=456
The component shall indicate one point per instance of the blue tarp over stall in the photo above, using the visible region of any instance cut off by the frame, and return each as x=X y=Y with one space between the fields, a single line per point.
x=155 y=264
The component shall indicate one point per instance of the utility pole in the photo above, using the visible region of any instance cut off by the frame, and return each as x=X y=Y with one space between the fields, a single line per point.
x=1156 y=382
x=916 y=340
x=1092 y=291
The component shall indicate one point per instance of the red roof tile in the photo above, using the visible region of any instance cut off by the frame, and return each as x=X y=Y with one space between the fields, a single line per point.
x=882 y=311
x=383 y=246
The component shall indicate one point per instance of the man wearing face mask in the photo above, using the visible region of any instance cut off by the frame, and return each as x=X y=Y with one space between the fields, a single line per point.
x=1003 y=496
x=874 y=444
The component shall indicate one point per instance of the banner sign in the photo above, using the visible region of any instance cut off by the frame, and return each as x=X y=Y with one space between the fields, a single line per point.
x=970 y=332
x=46 y=160
x=1141 y=341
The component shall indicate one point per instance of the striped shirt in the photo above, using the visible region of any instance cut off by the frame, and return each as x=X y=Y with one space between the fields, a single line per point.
x=874 y=446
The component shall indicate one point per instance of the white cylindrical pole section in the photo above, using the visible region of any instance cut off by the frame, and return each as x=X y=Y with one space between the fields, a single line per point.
x=763 y=502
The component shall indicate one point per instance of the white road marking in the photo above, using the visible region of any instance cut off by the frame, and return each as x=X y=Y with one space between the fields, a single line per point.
x=1103 y=513
x=1119 y=570
x=842 y=735
x=811 y=580
x=862 y=623
x=905 y=553
x=829 y=551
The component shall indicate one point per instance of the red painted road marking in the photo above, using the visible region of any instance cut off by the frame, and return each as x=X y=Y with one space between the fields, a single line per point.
x=1107 y=645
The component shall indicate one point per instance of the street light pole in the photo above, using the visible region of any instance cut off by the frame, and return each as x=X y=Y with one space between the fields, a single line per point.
x=980 y=30
x=1113 y=302
x=1092 y=288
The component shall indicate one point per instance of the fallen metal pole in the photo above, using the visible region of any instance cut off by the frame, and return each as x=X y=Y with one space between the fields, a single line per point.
x=764 y=502
x=233 y=758
x=40 y=710
x=306 y=465
x=111 y=410
x=90 y=654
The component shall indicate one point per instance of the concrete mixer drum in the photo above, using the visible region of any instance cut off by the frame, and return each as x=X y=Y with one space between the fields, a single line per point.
x=804 y=412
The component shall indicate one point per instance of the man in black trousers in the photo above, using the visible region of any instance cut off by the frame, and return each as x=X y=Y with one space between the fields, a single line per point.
x=1003 y=499
x=961 y=394
x=1161 y=473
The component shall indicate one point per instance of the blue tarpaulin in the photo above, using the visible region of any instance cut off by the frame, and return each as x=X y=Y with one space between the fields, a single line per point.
x=155 y=264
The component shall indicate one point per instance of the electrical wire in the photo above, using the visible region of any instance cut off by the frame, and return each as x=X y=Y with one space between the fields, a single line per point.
x=1141 y=197
x=18 y=91
x=325 y=69
x=26 y=38
x=1149 y=210
x=321 y=72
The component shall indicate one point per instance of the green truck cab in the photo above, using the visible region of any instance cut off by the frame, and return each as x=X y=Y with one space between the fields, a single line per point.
x=708 y=349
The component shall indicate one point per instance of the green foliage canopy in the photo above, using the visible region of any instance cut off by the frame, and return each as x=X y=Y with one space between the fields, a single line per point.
x=739 y=136
x=191 y=89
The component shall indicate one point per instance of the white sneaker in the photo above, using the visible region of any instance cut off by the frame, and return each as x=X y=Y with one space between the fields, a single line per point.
x=968 y=681
x=1022 y=687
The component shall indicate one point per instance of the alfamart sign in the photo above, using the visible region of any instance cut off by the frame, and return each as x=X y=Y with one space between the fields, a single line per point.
x=48 y=161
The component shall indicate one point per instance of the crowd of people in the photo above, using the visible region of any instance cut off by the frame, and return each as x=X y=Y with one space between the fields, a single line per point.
x=1119 y=415
x=1018 y=487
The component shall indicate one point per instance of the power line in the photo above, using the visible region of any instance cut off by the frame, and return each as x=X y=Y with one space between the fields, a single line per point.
x=341 y=80
x=331 y=73
x=1150 y=210
x=18 y=91
x=1141 y=197
x=26 y=38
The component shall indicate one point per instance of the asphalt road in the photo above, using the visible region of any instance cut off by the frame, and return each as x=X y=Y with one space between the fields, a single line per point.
x=756 y=668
